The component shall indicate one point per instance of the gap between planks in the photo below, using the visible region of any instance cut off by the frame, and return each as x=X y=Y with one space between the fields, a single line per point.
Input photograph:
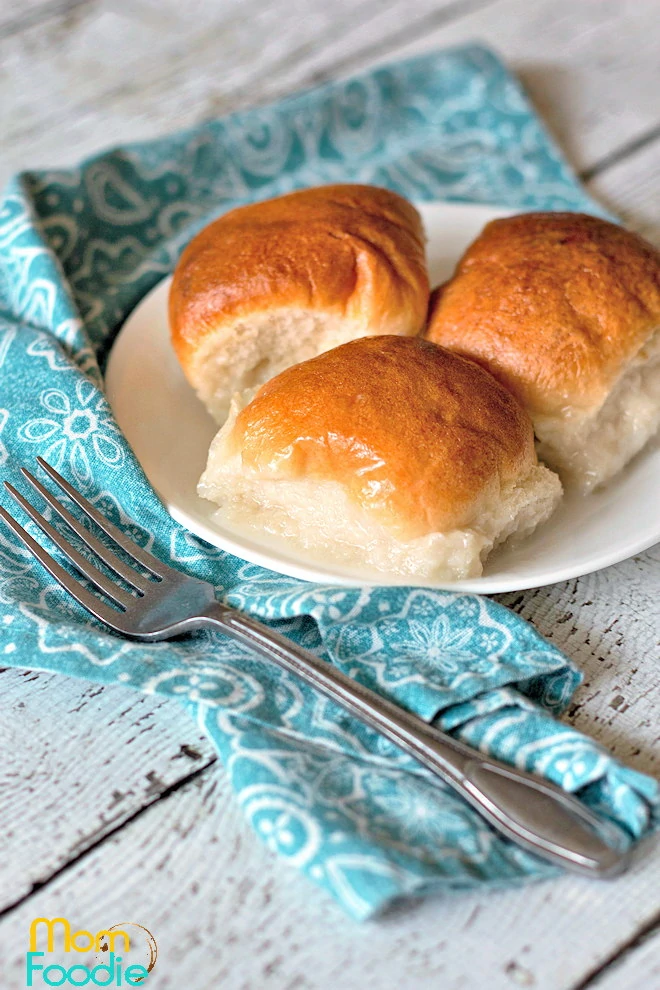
x=319 y=56
x=623 y=953
x=31 y=15
x=613 y=158
x=109 y=834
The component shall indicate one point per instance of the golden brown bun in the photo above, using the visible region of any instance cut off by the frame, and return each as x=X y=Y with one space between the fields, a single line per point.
x=414 y=433
x=555 y=305
x=352 y=255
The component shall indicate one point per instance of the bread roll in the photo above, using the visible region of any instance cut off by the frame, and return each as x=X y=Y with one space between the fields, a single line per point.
x=387 y=450
x=564 y=309
x=277 y=282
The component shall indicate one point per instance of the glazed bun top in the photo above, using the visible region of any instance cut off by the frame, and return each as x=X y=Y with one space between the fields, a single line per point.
x=555 y=305
x=418 y=435
x=353 y=252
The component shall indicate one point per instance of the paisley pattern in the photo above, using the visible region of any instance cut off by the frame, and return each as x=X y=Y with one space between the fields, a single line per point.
x=78 y=249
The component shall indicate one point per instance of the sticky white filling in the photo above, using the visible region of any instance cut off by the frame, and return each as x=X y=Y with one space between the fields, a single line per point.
x=319 y=518
x=589 y=450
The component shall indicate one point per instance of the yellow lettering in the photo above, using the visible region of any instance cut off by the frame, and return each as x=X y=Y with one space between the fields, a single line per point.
x=87 y=935
x=111 y=936
x=72 y=940
x=50 y=928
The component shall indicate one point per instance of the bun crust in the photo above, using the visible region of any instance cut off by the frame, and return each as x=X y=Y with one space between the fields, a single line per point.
x=414 y=433
x=349 y=254
x=555 y=305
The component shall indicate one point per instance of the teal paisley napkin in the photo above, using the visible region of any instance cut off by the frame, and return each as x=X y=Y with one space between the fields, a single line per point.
x=78 y=249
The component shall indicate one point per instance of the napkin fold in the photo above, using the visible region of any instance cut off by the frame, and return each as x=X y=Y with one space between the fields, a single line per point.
x=78 y=249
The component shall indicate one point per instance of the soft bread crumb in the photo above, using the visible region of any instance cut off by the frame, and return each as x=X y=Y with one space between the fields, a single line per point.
x=589 y=450
x=276 y=282
x=563 y=309
x=247 y=353
x=319 y=518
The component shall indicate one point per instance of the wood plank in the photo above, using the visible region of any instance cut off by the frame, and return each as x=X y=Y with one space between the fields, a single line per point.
x=126 y=73
x=637 y=969
x=78 y=760
x=547 y=936
x=609 y=624
x=630 y=188
x=18 y=15
x=591 y=69
x=118 y=73
x=226 y=913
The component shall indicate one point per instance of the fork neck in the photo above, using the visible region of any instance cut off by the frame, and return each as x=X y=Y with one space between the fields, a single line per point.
x=402 y=727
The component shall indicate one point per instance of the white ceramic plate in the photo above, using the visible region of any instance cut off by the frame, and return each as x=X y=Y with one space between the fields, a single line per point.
x=170 y=433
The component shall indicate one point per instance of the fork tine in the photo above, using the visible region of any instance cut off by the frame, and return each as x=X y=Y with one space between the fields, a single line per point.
x=102 y=582
x=69 y=583
x=132 y=549
x=132 y=577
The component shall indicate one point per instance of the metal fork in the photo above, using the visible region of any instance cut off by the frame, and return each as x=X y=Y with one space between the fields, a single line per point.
x=532 y=812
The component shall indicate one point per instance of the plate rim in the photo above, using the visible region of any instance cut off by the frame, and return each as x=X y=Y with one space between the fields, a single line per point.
x=312 y=571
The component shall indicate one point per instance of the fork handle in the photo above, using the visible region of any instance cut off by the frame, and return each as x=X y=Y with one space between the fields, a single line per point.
x=536 y=814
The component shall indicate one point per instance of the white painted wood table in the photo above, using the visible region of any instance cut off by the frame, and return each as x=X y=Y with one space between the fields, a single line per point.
x=114 y=804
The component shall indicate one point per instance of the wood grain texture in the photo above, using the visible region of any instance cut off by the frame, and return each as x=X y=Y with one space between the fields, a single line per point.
x=226 y=914
x=190 y=855
x=630 y=188
x=638 y=968
x=17 y=15
x=107 y=73
x=174 y=851
x=103 y=73
x=609 y=624
x=589 y=67
x=120 y=752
